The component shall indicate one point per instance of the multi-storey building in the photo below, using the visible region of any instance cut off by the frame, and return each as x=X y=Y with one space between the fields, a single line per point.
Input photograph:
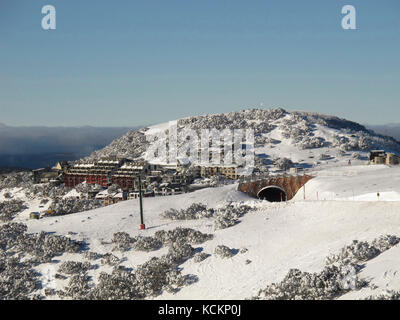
x=98 y=172
x=229 y=171
x=126 y=175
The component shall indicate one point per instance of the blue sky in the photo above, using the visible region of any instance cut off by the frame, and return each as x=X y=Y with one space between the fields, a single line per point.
x=127 y=63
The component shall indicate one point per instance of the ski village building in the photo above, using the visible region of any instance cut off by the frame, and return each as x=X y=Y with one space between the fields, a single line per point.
x=126 y=175
x=381 y=157
x=124 y=172
x=106 y=171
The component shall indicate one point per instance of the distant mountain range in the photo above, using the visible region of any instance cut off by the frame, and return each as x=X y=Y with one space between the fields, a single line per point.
x=392 y=129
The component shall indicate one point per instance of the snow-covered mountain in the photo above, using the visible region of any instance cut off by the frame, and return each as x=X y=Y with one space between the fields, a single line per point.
x=299 y=136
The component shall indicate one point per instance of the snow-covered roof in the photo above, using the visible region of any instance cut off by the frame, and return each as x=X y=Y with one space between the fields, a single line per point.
x=132 y=166
x=84 y=165
x=118 y=195
x=102 y=194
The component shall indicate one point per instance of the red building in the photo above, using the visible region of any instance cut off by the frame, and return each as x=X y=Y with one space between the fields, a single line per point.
x=125 y=182
x=107 y=171
x=71 y=180
x=97 y=179
x=97 y=172
x=127 y=174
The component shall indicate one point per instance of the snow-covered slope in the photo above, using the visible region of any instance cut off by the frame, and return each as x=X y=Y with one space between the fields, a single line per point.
x=361 y=182
x=339 y=205
x=278 y=236
x=299 y=136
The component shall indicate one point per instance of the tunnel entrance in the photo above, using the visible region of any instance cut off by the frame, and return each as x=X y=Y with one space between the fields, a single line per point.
x=272 y=194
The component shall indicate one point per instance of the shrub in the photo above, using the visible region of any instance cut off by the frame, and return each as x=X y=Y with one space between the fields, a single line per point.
x=339 y=275
x=200 y=256
x=224 y=252
x=147 y=244
x=74 y=267
x=330 y=283
x=65 y=206
x=122 y=241
x=179 y=252
x=110 y=259
x=9 y=208
x=229 y=215
x=182 y=234
x=194 y=211
x=78 y=287
x=360 y=251
x=89 y=255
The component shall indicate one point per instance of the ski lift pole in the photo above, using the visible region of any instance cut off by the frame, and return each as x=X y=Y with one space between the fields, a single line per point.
x=142 y=225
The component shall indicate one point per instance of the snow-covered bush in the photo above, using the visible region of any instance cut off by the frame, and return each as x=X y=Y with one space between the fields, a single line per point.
x=236 y=209
x=132 y=145
x=147 y=244
x=227 y=216
x=283 y=163
x=361 y=251
x=9 y=208
x=114 y=188
x=22 y=179
x=90 y=255
x=178 y=252
x=119 y=285
x=194 y=211
x=309 y=142
x=331 y=282
x=385 y=295
x=182 y=235
x=70 y=205
x=57 y=245
x=110 y=259
x=224 y=251
x=42 y=246
x=122 y=241
x=46 y=190
x=385 y=242
x=44 y=201
x=20 y=252
x=356 y=156
x=148 y=280
x=223 y=221
x=85 y=188
x=17 y=279
x=78 y=287
x=7 y=195
x=152 y=276
x=175 y=280
x=200 y=256
x=74 y=267
x=339 y=276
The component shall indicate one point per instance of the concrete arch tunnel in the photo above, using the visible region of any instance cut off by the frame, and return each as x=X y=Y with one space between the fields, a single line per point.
x=274 y=188
x=272 y=194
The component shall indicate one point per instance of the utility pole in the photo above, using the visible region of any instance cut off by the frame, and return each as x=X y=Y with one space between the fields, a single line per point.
x=142 y=225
